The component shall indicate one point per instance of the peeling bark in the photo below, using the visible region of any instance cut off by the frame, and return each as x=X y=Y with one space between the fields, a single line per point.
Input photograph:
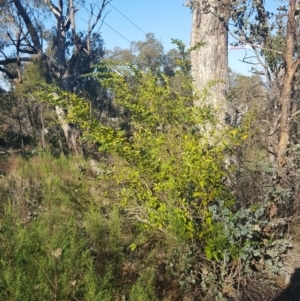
x=285 y=97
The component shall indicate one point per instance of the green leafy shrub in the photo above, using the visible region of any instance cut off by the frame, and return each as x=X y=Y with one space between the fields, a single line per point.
x=166 y=185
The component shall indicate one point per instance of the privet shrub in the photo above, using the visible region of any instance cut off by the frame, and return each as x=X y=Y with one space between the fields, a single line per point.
x=168 y=174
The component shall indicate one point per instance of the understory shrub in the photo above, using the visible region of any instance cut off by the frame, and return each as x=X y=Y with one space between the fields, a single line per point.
x=168 y=204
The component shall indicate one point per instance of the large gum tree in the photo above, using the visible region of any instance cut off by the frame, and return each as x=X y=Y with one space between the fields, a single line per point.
x=47 y=32
x=211 y=61
x=210 y=24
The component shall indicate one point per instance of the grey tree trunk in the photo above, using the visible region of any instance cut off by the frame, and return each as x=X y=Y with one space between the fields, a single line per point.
x=71 y=132
x=210 y=62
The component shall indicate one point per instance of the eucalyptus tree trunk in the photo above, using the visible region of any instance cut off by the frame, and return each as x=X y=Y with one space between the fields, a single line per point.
x=292 y=65
x=210 y=62
x=71 y=132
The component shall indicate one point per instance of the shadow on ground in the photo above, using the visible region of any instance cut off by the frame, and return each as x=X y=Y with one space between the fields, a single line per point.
x=292 y=292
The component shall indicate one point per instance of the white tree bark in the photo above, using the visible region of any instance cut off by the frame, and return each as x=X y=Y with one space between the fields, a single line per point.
x=210 y=62
x=71 y=132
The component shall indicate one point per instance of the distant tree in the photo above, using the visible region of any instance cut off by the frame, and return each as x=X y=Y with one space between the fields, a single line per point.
x=147 y=55
x=248 y=103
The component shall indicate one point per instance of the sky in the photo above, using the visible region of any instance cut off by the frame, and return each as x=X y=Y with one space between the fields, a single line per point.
x=165 y=18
